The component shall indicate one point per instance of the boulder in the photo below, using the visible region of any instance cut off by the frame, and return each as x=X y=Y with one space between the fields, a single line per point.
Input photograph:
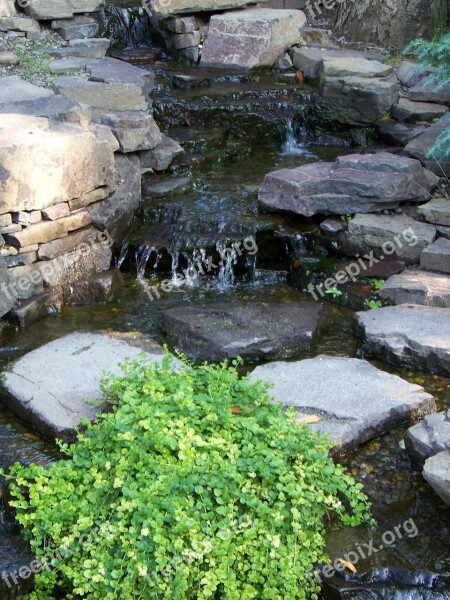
x=162 y=156
x=93 y=290
x=14 y=89
x=63 y=161
x=436 y=257
x=61 y=9
x=417 y=287
x=256 y=331
x=436 y=472
x=115 y=213
x=42 y=305
x=437 y=211
x=411 y=112
x=347 y=398
x=133 y=130
x=408 y=335
x=429 y=437
x=394 y=235
x=251 y=38
x=50 y=388
x=7 y=297
x=354 y=183
x=162 y=8
x=420 y=146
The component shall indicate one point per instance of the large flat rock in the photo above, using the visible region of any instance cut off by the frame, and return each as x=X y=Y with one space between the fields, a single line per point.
x=417 y=287
x=429 y=437
x=55 y=108
x=256 y=331
x=49 y=387
x=437 y=472
x=14 y=89
x=352 y=400
x=412 y=336
x=353 y=184
x=251 y=38
x=61 y=9
x=162 y=8
x=44 y=163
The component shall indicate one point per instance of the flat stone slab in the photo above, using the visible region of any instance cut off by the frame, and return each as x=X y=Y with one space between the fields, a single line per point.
x=309 y=59
x=49 y=387
x=61 y=9
x=348 y=66
x=167 y=186
x=412 y=336
x=350 y=399
x=429 y=437
x=177 y=7
x=249 y=38
x=437 y=472
x=419 y=146
x=55 y=108
x=256 y=331
x=437 y=211
x=357 y=183
x=411 y=112
x=417 y=287
x=14 y=89
x=436 y=257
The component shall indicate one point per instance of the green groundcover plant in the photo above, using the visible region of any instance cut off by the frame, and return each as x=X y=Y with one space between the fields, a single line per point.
x=195 y=486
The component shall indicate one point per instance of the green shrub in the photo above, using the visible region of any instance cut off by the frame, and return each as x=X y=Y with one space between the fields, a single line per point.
x=195 y=486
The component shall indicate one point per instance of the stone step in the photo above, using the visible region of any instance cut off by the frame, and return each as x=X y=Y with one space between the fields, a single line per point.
x=437 y=211
x=78 y=27
x=347 y=398
x=417 y=287
x=436 y=257
x=412 y=112
x=411 y=336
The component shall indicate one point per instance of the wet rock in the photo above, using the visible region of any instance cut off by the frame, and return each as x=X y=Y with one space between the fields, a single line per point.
x=96 y=289
x=162 y=156
x=354 y=183
x=283 y=62
x=49 y=387
x=76 y=28
x=61 y=9
x=429 y=437
x=181 y=24
x=73 y=159
x=436 y=257
x=42 y=305
x=14 y=89
x=56 y=108
x=251 y=38
x=257 y=331
x=408 y=335
x=417 y=287
x=352 y=400
x=398 y=134
x=420 y=146
x=333 y=226
x=134 y=130
x=437 y=211
x=394 y=235
x=437 y=472
x=411 y=112
x=7 y=299
x=115 y=213
x=166 y=186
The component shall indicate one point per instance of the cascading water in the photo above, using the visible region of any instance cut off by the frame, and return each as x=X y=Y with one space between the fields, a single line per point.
x=228 y=258
x=296 y=145
x=126 y=27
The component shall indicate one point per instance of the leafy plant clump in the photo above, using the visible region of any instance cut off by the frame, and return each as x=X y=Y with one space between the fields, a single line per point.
x=195 y=486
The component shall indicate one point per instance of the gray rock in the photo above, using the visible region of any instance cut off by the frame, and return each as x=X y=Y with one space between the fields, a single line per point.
x=68 y=66
x=77 y=27
x=284 y=62
x=437 y=472
x=55 y=108
x=345 y=66
x=251 y=38
x=161 y=157
x=429 y=437
x=309 y=60
x=179 y=41
x=85 y=48
x=411 y=112
x=133 y=130
x=437 y=211
x=443 y=231
x=164 y=9
x=394 y=235
x=37 y=307
x=436 y=257
x=420 y=146
x=181 y=24
x=14 y=89
x=398 y=134
x=7 y=8
x=417 y=287
x=7 y=297
x=333 y=226
x=19 y=24
x=61 y=9
x=354 y=183
x=353 y=400
x=93 y=290
x=410 y=74
x=429 y=91
x=50 y=387
x=166 y=186
x=408 y=335
x=256 y=331
x=315 y=37
x=25 y=281
x=115 y=213
x=86 y=235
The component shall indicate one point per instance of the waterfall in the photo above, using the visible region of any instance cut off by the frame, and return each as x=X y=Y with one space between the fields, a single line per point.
x=294 y=147
x=142 y=257
x=228 y=258
x=122 y=254
x=126 y=27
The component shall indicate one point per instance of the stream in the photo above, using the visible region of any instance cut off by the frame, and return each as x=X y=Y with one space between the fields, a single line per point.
x=235 y=128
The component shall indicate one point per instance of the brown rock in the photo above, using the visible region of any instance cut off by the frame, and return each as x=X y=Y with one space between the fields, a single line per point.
x=94 y=290
x=57 y=211
x=37 y=234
